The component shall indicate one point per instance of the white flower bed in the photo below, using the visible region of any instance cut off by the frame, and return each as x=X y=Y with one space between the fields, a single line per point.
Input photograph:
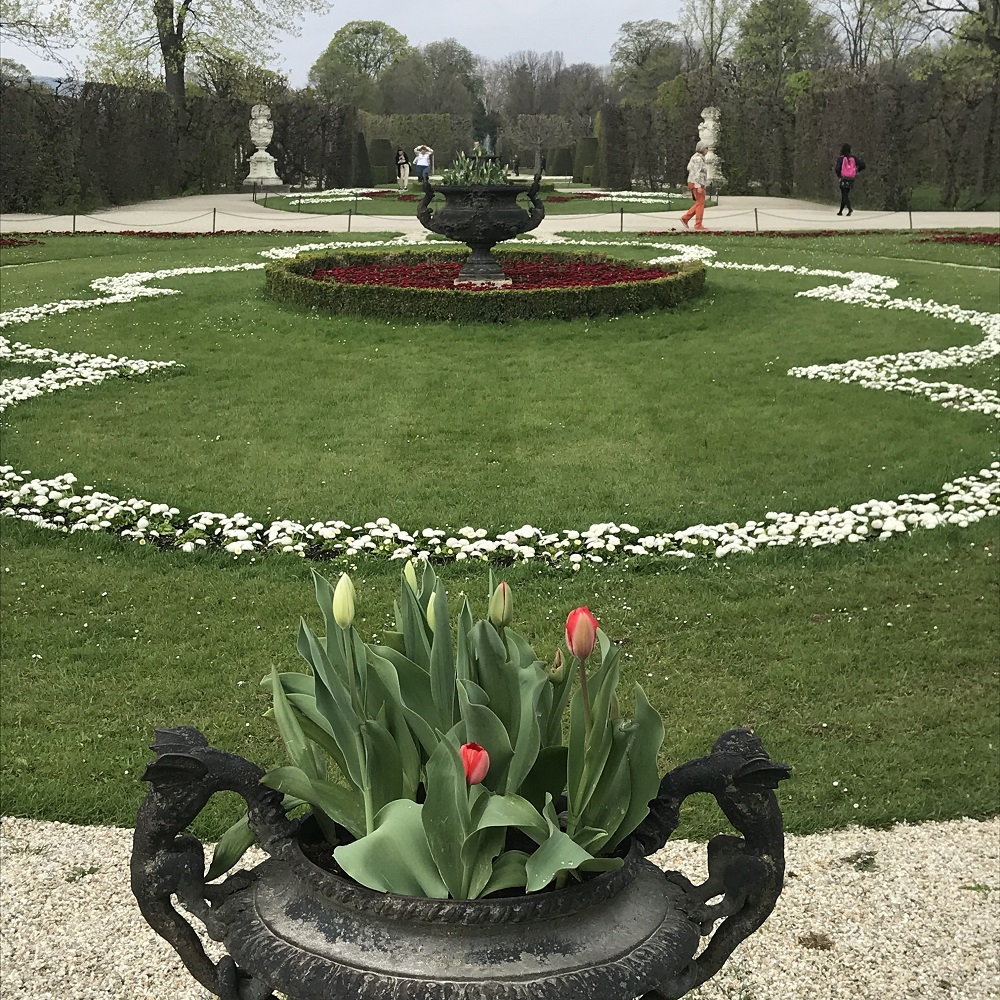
x=56 y=503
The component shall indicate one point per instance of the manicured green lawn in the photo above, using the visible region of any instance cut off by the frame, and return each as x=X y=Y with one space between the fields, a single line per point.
x=873 y=666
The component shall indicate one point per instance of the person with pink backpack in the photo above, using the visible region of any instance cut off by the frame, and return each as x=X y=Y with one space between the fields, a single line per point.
x=847 y=169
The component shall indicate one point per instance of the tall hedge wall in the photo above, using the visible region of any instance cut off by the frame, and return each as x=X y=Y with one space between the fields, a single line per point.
x=76 y=150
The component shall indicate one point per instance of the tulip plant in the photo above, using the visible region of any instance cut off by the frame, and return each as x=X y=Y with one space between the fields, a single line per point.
x=438 y=761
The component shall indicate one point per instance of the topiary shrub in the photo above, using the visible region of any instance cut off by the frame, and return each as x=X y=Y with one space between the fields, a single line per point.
x=586 y=154
x=382 y=153
x=291 y=281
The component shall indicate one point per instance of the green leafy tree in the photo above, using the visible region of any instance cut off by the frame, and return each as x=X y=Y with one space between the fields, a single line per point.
x=12 y=72
x=236 y=78
x=365 y=47
x=779 y=38
x=644 y=55
x=39 y=26
x=174 y=30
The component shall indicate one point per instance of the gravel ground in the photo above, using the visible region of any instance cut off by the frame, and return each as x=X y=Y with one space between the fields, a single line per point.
x=912 y=912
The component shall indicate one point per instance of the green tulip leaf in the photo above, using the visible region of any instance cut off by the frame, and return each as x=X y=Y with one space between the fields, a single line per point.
x=546 y=777
x=232 y=845
x=559 y=853
x=644 y=771
x=413 y=625
x=508 y=872
x=446 y=815
x=483 y=727
x=344 y=805
x=395 y=857
x=600 y=865
x=299 y=747
x=442 y=670
x=512 y=810
x=293 y=683
x=383 y=765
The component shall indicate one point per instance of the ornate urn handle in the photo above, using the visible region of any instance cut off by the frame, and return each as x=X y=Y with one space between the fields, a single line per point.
x=746 y=872
x=186 y=773
x=537 y=212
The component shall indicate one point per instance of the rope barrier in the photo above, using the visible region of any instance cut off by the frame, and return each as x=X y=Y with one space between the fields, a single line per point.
x=147 y=225
x=260 y=218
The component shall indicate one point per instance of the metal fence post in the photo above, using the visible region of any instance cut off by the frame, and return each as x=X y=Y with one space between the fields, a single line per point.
x=621 y=221
x=756 y=224
x=909 y=212
x=74 y=223
x=348 y=220
x=213 y=220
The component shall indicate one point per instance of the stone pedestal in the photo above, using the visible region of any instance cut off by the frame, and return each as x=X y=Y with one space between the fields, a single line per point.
x=262 y=173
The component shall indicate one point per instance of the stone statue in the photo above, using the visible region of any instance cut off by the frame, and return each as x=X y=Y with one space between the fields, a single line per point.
x=708 y=133
x=261 y=163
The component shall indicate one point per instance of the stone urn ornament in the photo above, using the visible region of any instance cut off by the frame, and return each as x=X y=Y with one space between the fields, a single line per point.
x=708 y=133
x=480 y=209
x=471 y=889
x=262 y=173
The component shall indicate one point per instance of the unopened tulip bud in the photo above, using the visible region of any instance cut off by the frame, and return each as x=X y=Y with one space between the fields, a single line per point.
x=430 y=614
x=476 y=762
x=501 y=611
x=581 y=632
x=343 y=602
x=410 y=575
x=557 y=669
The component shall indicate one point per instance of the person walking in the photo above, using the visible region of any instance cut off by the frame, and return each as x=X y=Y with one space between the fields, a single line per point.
x=402 y=168
x=422 y=162
x=847 y=169
x=697 y=181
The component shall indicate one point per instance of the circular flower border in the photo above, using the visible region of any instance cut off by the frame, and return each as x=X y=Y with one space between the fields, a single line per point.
x=292 y=282
x=56 y=504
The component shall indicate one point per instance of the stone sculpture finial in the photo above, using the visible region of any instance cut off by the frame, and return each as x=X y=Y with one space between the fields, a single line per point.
x=708 y=133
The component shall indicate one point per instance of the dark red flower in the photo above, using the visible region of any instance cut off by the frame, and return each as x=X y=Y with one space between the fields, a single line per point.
x=525 y=274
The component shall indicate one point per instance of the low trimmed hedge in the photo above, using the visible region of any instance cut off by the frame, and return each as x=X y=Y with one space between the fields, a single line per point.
x=291 y=281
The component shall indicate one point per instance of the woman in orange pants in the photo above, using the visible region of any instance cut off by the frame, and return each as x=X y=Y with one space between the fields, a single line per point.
x=697 y=180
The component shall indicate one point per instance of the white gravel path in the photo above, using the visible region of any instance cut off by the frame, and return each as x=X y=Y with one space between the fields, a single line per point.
x=912 y=912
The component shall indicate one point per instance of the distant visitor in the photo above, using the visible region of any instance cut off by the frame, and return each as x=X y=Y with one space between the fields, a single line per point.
x=697 y=180
x=422 y=162
x=847 y=169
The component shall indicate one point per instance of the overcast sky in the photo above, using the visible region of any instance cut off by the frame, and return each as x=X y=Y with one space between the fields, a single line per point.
x=583 y=30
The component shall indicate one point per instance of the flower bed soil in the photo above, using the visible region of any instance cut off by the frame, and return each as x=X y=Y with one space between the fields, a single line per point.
x=419 y=284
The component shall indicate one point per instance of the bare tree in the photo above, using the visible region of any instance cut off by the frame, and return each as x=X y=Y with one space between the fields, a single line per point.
x=710 y=27
x=976 y=21
x=538 y=132
x=856 y=23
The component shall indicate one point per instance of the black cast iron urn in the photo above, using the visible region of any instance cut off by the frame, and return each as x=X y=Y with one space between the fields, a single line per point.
x=481 y=215
x=296 y=927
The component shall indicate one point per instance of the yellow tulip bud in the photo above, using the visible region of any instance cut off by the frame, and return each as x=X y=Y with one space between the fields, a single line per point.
x=410 y=575
x=501 y=610
x=430 y=613
x=343 y=602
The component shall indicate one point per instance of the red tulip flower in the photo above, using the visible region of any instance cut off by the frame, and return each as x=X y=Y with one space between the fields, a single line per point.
x=476 y=762
x=581 y=632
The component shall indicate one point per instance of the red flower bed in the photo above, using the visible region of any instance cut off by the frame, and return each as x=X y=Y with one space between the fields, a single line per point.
x=525 y=274
x=982 y=239
x=13 y=241
x=582 y=196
